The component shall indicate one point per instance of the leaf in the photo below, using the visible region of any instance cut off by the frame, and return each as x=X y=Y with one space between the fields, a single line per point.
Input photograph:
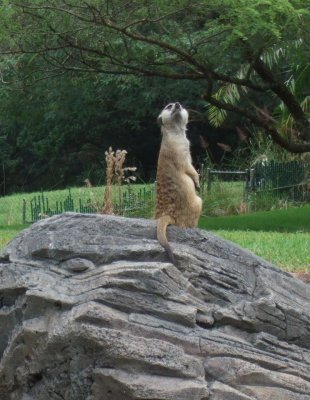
x=216 y=115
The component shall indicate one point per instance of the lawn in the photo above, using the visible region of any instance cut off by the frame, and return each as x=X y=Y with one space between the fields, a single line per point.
x=289 y=220
x=11 y=206
x=280 y=236
x=289 y=251
x=8 y=233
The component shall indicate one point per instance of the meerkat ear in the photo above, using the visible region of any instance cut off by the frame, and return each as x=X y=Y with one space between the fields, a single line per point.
x=159 y=121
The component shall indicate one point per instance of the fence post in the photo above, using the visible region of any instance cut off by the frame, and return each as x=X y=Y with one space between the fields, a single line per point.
x=209 y=180
x=24 y=211
x=247 y=187
x=202 y=179
x=252 y=174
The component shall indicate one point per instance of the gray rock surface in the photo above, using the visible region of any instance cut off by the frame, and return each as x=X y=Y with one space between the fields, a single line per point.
x=90 y=309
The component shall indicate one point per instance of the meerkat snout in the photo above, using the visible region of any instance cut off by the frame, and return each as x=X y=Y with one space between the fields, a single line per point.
x=173 y=116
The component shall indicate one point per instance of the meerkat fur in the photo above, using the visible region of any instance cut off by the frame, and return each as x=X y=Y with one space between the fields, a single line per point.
x=177 y=180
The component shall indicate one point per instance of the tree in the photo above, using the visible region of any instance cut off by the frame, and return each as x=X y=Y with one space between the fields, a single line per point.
x=55 y=133
x=247 y=56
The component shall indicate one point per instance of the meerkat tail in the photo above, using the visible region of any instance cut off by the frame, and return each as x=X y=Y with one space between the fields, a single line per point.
x=162 y=224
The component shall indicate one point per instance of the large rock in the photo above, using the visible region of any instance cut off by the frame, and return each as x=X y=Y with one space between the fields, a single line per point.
x=90 y=309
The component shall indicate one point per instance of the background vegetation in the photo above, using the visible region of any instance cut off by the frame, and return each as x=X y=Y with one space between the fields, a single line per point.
x=78 y=77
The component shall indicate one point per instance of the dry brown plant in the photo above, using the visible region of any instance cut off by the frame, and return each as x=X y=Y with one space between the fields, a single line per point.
x=242 y=208
x=108 y=193
x=94 y=199
x=115 y=176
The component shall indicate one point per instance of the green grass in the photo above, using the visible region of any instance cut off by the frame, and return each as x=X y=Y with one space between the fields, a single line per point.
x=11 y=206
x=280 y=236
x=8 y=233
x=289 y=251
x=289 y=220
x=224 y=198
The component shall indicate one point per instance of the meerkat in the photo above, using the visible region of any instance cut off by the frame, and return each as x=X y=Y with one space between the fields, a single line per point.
x=177 y=180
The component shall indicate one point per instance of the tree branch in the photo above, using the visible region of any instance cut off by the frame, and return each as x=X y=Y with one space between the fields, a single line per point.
x=108 y=60
x=283 y=92
x=201 y=71
x=263 y=123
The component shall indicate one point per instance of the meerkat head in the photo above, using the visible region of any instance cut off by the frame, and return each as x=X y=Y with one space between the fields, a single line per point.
x=173 y=116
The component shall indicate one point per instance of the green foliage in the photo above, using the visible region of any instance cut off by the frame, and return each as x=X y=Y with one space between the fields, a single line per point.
x=212 y=30
x=112 y=65
x=60 y=128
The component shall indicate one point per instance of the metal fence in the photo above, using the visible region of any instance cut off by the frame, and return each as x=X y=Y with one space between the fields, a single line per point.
x=290 y=180
x=226 y=192
x=263 y=187
x=246 y=176
x=127 y=201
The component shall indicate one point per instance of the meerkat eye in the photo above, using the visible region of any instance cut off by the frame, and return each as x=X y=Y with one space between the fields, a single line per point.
x=168 y=107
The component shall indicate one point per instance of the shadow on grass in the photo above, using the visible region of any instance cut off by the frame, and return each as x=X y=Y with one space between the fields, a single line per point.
x=290 y=220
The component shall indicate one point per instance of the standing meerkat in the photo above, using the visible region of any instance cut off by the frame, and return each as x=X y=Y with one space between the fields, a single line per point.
x=176 y=199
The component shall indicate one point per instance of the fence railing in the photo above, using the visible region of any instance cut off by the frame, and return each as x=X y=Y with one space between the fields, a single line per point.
x=246 y=176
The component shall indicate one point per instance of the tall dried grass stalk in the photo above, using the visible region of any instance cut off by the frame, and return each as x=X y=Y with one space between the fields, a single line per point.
x=115 y=176
x=108 y=193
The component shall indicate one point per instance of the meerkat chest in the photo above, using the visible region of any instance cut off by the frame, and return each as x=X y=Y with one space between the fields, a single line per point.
x=180 y=148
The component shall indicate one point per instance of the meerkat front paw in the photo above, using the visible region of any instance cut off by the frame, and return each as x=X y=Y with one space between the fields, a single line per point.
x=197 y=184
